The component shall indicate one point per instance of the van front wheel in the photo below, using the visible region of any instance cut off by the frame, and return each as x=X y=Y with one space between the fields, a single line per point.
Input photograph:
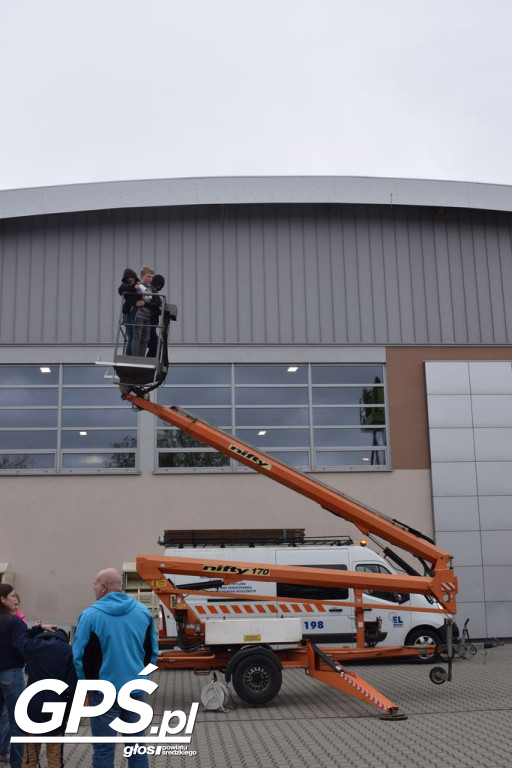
x=257 y=679
x=424 y=636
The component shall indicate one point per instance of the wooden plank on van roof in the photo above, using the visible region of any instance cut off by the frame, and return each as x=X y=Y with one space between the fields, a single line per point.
x=232 y=536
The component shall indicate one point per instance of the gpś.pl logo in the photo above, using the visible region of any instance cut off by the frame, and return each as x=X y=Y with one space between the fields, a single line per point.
x=178 y=733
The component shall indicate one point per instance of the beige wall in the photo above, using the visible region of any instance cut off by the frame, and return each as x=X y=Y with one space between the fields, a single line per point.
x=57 y=532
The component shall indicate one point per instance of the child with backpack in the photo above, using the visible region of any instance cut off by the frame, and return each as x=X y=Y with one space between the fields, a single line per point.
x=48 y=655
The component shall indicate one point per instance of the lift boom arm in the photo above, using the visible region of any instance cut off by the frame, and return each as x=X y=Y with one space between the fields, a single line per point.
x=442 y=584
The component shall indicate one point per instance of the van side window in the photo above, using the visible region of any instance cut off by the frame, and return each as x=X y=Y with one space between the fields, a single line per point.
x=392 y=597
x=304 y=592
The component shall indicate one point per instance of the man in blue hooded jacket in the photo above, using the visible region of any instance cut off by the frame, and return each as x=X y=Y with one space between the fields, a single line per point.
x=114 y=640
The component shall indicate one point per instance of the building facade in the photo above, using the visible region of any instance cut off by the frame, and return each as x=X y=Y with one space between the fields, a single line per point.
x=360 y=329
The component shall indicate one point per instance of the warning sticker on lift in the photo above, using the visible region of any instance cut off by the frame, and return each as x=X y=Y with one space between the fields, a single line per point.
x=159 y=582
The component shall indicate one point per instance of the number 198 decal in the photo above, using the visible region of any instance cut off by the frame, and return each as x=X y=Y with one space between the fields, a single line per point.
x=314 y=624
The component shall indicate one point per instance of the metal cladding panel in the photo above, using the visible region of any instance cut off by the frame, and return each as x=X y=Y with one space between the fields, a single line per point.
x=265 y=274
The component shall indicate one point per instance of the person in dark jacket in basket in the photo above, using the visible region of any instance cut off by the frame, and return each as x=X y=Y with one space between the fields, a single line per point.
x=157 y=284
x=48 y=656
x=130 y=295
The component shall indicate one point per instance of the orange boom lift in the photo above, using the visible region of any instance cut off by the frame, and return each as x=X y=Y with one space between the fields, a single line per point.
x=247 y=658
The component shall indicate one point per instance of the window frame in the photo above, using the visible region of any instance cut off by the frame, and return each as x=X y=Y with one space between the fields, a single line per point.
x=148 y=429
x=310 y=449
x=59 y=452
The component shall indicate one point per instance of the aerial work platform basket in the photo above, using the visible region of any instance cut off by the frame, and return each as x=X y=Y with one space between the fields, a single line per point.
x=142 y=374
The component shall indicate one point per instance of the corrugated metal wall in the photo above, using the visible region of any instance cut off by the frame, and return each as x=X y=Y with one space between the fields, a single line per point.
x=285 y=274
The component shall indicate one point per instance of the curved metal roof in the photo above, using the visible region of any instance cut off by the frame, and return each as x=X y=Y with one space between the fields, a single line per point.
x=253 y=189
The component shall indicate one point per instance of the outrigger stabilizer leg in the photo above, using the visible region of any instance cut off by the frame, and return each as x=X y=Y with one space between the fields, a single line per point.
x=337 y=676
x=440 y=675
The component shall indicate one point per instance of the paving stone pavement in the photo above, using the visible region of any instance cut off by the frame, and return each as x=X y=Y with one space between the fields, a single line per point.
x=466 y=723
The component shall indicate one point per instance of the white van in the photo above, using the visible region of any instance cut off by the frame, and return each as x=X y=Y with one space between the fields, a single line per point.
x=330 y=624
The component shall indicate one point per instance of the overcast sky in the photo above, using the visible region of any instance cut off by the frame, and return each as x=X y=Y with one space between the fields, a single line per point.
x=95 y=90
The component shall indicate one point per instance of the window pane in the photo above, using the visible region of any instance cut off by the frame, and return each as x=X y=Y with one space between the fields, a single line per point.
x=34 y=417
x=190 y=396
x=281 y=438
x=98 y=460
x=198 y=374
x=343 y=395
x=218 y=417
x=26 y=396
x=342 y=437
x=372 y=568
x=392 y=597
x=346 y=374
x=373 y=415
x=28 y=374
x=175 y=438
x=28 y=440
x=268 y=417
x=330 y=417
x=271 y=396
x=192 y=460
x=100 y=417
x=271 y=374
x=27 y=461
x=366 y=458
x=73 y=438
x=91 y=396
x=293 y=458
x=88 y=374
x=305 y=592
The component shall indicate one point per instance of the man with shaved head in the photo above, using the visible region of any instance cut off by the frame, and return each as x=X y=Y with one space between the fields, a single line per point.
x=115 y=640
x=108 y=580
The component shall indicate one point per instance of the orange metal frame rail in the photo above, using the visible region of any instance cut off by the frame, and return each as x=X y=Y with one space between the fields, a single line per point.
x=323 y=665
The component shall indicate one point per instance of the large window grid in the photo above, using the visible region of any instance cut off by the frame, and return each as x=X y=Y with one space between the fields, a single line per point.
x=69 y=418
x=64 y=419
x=321 y=417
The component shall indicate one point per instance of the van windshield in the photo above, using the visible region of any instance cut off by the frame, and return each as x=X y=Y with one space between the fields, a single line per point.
x=392 y=597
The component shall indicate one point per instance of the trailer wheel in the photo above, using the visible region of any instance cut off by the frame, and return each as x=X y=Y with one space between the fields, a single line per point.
x=257 y=678
x=438 y=675
x=424 y=636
